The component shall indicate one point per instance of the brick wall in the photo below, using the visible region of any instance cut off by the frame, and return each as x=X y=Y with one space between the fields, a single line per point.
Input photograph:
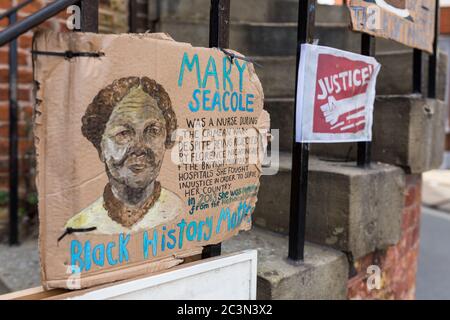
x=398 y=263
x=113 y=18
x=25 y=95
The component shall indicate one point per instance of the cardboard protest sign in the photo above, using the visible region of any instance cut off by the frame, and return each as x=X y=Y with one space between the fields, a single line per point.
x=335 y=95
x=410 y=22
x=148 y=150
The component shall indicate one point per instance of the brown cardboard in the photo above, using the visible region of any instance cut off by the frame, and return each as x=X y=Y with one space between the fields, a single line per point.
x=410 y=22
x=115 y=113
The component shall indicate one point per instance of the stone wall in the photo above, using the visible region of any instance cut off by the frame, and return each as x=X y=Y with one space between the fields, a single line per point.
x=113 y=16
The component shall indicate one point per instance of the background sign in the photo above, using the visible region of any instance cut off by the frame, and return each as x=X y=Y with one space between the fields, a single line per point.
x=336 y=92
x=410 y=22
x=147 y=150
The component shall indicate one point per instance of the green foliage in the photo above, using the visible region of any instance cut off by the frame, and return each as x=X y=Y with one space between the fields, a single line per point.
x=22 y=212
x=32 y=198
x=4 y=198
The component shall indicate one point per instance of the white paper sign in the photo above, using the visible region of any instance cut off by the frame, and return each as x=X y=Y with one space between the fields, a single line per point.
x=335 y=95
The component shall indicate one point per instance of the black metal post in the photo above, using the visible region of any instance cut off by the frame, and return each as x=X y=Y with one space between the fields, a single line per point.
x=300 y=151
x=364 y=148
x=432 y=63
x=132 y=15
x=417 y=71
x=219 y=24
x=13 y=142
x=89 y=15
x=219 y=37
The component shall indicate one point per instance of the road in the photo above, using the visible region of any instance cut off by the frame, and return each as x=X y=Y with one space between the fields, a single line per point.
x=433 y=279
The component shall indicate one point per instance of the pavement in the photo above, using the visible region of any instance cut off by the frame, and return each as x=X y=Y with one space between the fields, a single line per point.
x=3 y=288
x=433 y=277
x=436 y=190
x=19 y=266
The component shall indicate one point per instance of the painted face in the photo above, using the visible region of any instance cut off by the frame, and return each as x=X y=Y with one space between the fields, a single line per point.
x=133 y=143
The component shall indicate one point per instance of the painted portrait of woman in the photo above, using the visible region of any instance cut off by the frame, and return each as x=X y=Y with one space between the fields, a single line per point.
x=130 y=123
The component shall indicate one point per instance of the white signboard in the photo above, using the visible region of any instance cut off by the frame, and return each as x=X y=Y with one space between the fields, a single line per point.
x=335 y=95
x=230 y=277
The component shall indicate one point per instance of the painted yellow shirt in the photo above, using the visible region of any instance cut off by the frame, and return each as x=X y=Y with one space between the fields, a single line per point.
x=165 y=209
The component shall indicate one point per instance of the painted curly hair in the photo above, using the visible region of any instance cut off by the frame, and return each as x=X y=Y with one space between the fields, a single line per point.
x=98 y=112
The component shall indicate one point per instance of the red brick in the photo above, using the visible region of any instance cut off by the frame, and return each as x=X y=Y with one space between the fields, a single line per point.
x=22 y=94
x=4 y=112
x=4 y=23
x=391 y=257
x=4 y=75
x=4 y=131
x=4 y=57
x=419 y=192
x=5 y=4
x=25 y=41
x=25 y=76
x=415 y=215
x=410 y=195
x=24 y=146
x=31 y=8
x=445 y=20
x=4 y=146
x=409 y=236
x=415 y=235
x=22 y=58
x=22 y=130
x=407 y=218
x=26 y=113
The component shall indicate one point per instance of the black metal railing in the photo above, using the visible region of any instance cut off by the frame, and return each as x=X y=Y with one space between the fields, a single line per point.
x=300 y=151
x=219 y=37
x=19 y=28
x=432 y=64
x=300 y=154
x=89 y=22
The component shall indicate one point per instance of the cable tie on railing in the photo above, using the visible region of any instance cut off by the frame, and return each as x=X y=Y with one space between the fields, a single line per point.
x=69 y=54
x=233 y=56
x=73 y=230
